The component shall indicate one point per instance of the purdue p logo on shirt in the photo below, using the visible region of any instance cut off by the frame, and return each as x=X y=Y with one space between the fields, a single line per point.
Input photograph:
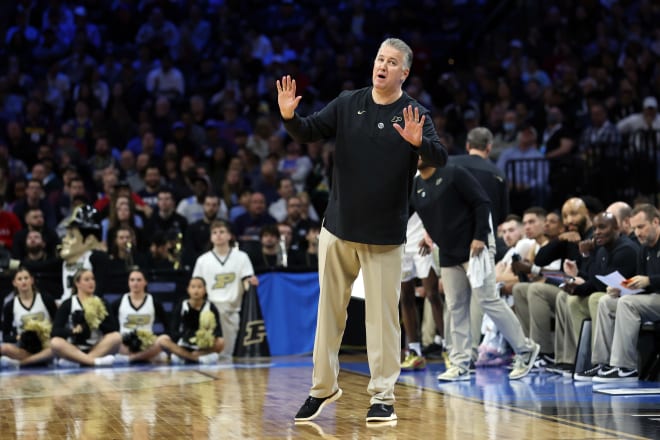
x=223 y=279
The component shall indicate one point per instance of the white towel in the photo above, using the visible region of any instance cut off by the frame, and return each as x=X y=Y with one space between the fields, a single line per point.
x=479 y=267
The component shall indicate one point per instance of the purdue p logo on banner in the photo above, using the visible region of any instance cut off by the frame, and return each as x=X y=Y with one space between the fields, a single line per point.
x=255 y=332
x=252 y=339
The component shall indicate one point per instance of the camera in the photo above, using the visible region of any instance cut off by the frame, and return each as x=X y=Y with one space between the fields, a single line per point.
x=7 y=263
x=521 y=276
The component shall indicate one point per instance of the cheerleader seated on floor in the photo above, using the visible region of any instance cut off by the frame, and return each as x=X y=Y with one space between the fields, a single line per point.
x=84 y=332
x=195 y=327
x=26 y=324
x=136 y=312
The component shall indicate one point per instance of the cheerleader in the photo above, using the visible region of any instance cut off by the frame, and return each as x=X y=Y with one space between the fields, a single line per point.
x=84 y=332
x=26 y=324
x=136 y=312
x=195 y=328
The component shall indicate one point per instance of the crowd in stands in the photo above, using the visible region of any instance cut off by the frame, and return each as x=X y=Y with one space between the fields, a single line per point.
x=162 y=114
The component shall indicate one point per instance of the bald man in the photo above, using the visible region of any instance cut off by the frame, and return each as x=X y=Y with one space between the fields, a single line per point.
x=556 y=356
x=614 y=252
x=623 y=213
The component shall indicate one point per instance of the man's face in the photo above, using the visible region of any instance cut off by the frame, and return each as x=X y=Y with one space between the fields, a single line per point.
x=200 y=188
x=220 y=236
x=33 y=191
x=152 y=177
x=102 y=146
x=294 y=208
x=211 y=207
x=76 y=188
x=127 y=160
x=647 y=232
x=158 y=251
x=35 y=219
x=553 y=226
x=286 y=189
x=39 y=172
x=511 y=233
x=269 y=241
x=34 y=242
x=533 y=225
x=389 y=71
x=606 y=229
x=574 y=216
x=257 y=204
x=165 y=203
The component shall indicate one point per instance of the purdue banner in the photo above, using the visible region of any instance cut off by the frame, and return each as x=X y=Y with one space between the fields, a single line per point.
x=251 y=340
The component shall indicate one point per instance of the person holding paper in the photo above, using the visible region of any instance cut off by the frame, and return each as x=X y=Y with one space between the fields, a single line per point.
x=614 y=252
x=619 y=317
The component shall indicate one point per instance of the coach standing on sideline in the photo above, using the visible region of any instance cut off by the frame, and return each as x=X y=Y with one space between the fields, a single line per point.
x=379 y=133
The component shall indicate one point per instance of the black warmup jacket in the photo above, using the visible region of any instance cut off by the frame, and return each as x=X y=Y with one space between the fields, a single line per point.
x=454 y=209
x=648 y=263
x=373 y=165
x=492 y=180
x=620 y=255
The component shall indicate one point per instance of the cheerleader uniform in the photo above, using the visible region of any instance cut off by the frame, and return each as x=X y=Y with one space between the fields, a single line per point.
x=64 y=324
x=185 y=322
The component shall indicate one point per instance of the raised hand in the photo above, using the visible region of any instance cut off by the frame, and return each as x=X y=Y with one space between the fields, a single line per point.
x=286 y=96
x=413 y=126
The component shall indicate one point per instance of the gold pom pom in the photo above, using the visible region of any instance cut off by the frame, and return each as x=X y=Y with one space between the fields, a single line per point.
x=95 y=311
x=204 y=337
x=207 y=320
x=42 y=328
x=146 y=337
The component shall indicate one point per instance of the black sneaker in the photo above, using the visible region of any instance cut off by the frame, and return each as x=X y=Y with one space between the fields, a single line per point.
x=544 y=361
x=379 y=412
x=313 y=406
x=616 y=374
x=587 y=375
x=433 y=351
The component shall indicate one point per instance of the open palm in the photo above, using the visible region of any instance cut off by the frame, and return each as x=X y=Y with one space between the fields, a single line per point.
x=286 y=96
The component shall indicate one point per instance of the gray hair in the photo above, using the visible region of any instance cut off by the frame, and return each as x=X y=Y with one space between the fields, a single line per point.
x=479 y=138
x=402 y=47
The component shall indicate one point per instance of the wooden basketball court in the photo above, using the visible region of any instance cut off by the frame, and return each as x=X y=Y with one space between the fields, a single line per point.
x=257 y=400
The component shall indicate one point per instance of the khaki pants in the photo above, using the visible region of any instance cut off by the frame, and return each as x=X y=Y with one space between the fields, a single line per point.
x=578 y=311
x=617 y=327
x=459 y=295
x=339 y=264
x=230 y=321
x=542 y=298
x=521 y=306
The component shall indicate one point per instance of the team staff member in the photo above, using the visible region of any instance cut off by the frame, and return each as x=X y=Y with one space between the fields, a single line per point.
x=379 y=133
x=455 y=211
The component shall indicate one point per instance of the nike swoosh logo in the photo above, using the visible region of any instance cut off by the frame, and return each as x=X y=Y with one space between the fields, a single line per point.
x=361 y=112
x=420 y=190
